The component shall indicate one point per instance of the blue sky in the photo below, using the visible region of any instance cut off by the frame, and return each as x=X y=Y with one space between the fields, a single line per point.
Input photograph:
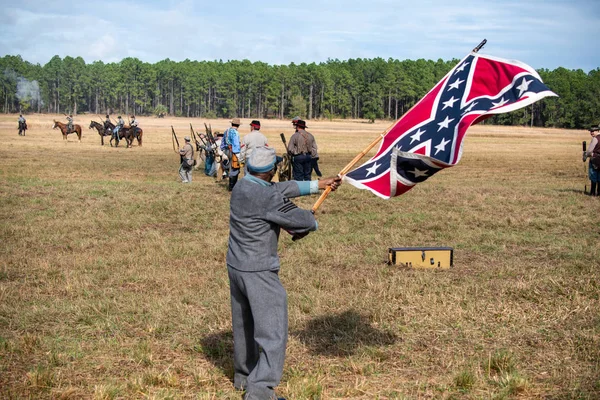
x=544 y=34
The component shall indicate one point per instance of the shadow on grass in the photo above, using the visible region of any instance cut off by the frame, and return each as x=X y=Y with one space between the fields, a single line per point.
x=343 y=334
x=218 y=349
x=587 y=193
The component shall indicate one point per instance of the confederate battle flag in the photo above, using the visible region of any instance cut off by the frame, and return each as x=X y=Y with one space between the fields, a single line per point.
x=429 y=137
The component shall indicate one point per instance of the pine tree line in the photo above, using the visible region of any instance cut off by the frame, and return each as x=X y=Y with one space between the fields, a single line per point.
x=356 y=88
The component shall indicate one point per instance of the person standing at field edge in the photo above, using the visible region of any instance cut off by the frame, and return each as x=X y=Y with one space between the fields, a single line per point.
x=258 y=299
x=252 y=140
x=593 y=151
x=302 y=146
x=187 y=161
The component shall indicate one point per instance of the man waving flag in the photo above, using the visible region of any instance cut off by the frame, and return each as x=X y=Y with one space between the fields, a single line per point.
x=428 y=138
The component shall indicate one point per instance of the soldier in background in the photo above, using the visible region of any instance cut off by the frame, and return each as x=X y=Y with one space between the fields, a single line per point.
x=187 y=161
x=107 y=125
x=69 y=123
x=221 y=164
x=22 y=125
x=302 y=146
x=231 y=146
x=252 y=140
x=593 y=152
x=133 y=123
x=120 y=124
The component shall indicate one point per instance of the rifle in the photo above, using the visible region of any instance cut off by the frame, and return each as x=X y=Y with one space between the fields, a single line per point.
x=282 y=136
x=174 y=140
x=198 y=145
x=584 y=144
x=209 y=135
x=285 y=172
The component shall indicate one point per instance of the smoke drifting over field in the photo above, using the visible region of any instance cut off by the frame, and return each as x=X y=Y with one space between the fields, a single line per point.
x=26 y=90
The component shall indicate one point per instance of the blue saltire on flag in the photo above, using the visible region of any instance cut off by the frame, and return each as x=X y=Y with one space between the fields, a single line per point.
x=429 y=137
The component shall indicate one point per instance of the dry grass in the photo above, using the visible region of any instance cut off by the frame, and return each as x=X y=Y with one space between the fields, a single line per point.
x=113 y=282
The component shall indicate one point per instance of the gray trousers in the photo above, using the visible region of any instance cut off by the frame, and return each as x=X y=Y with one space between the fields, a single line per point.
x=185 y=173
x=260 y=331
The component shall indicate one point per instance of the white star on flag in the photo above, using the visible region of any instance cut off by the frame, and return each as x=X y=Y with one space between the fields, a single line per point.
x=500 y=103
x=442 y=145
x=473 y=104
x=462 y=67
x=523 y=86
x=449 y=103
x=416 y=136
x=445 y=123
x=417 y=173
x=456 y=84
x=373 y=169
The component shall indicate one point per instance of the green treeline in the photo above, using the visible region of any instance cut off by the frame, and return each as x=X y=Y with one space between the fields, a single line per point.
x=356 y=88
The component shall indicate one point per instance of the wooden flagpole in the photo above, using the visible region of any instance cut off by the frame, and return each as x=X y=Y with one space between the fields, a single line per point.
x=352 y=163
x=356 y=159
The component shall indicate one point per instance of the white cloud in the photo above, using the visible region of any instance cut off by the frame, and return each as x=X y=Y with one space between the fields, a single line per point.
x=541 y=33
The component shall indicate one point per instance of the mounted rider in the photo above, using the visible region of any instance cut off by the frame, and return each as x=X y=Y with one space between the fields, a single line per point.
x=120 y=124
x=22 y=125
x=133 y=123
x=107 y=124
x=69 y=123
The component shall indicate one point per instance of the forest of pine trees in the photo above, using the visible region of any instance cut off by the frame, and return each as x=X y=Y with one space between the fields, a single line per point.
x=356 y=88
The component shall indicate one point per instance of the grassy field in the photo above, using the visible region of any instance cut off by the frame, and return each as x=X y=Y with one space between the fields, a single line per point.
x=113 y=282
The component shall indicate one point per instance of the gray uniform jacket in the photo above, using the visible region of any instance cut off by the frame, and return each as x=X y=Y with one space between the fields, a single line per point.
x=302 y=142
x=258 y=210
x=249 y=142
x=590 y=150
x=187 y=152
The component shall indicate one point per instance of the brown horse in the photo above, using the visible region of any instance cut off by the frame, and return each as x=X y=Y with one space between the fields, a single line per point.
x=63 y=129
x=102 y=129
x=129 y=135
x=22 y=128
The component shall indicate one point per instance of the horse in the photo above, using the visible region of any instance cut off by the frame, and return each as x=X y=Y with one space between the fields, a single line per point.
x=102 y=130
x=130 y=135
x=121 y=135
x=22 y=128
x=63 y=129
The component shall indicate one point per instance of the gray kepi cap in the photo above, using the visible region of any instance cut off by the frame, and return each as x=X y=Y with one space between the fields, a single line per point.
x=262 y=159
